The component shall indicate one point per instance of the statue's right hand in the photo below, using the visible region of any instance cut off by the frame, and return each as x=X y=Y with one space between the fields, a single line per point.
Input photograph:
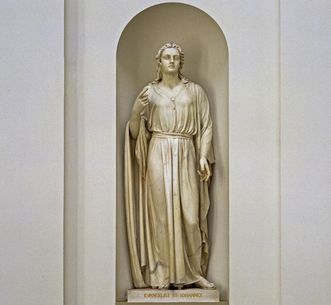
x=141 y=101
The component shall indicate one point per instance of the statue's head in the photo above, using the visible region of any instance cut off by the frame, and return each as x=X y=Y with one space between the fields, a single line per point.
x=174 y=50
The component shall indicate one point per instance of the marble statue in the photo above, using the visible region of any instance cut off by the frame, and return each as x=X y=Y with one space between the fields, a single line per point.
x=168 y=158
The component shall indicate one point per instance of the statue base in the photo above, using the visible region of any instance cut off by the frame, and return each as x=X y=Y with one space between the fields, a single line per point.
x=190 y=295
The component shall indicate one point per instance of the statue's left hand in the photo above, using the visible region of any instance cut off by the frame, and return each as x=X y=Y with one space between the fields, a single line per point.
x=204 y=171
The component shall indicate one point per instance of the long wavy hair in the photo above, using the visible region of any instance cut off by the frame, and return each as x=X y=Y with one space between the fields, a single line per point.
x=159 y=73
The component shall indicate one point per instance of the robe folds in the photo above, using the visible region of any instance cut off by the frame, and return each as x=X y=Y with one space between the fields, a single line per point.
x=166 y=203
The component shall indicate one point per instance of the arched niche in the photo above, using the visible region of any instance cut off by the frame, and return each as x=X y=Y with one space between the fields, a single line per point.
x=206 y=63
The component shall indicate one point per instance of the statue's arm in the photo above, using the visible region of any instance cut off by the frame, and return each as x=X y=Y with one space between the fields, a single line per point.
x=206 y=134
x=139 y=106
x=206 y=124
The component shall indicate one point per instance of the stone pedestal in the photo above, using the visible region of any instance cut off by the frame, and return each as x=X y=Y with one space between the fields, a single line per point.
x=173 y=296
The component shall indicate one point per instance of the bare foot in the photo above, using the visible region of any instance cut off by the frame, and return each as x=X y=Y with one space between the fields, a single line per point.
x=165 y=286
x=204 y=284
x=179 y=286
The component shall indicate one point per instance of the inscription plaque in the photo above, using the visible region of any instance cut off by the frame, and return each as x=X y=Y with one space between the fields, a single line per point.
x=182 y=295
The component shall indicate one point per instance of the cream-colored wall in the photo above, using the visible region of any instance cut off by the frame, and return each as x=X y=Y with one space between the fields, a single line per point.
x=306 y=152
x=31 y=152
x=206 y=62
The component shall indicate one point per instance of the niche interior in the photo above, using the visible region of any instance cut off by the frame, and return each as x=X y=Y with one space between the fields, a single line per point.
x=206 y=63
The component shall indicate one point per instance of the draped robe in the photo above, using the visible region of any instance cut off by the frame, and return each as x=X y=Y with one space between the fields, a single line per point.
x=166 y=210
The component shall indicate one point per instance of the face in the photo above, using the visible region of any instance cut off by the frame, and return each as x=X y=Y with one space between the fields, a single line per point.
x=170 y=61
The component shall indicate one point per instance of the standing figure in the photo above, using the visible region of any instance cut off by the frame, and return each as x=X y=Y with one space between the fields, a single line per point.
x=169 y=137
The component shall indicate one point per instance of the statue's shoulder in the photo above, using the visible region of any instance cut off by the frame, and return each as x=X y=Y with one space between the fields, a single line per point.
x=189 y=84
x=149 y=85
x=194 y=86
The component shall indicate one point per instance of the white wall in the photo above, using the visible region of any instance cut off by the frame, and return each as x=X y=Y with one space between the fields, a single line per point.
x=306 y=152
x=90 y=138
x=31 y=152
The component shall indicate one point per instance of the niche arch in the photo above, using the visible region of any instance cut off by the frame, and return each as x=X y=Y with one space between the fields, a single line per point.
x=206 y=63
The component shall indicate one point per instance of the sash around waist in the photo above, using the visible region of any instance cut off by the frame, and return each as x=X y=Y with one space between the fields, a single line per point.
x=175 y=135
